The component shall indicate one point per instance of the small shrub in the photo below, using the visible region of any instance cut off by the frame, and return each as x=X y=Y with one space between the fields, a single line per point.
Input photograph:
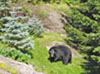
x=42 y=14
x=15 y=54
x=27 y=10
x=35 y=27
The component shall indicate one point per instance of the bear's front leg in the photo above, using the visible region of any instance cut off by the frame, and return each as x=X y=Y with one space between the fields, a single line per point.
x=57 y=57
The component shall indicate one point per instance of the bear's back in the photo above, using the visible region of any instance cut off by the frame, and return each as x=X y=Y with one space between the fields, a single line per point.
x=63 y=48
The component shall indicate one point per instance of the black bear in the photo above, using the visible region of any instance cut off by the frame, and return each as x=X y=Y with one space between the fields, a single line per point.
x=60 y=52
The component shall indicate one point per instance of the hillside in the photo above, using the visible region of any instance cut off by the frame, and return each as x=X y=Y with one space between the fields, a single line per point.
x=28 y=29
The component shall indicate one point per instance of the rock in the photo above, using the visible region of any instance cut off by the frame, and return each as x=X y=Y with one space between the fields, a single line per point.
x=53 y=21
x=4 y=72
x=21 y=67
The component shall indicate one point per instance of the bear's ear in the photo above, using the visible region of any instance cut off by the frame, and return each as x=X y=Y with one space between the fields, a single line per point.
x=54 y=49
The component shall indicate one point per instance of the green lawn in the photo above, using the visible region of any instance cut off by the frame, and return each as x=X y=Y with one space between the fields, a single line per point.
x=41 y=61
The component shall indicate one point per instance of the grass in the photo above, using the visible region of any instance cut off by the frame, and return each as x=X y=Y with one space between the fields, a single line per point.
x=4 y=66
x=50 y=37
x=43 y=64
x=60 y=7
x=42 y=13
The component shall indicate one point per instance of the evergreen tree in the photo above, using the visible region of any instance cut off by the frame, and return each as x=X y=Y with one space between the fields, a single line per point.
x=4 y=7
x=15 y=32
x=35 y=26
x=84 y=32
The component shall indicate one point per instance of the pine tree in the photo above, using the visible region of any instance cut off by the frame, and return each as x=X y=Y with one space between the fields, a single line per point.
x=4 y=7
x=15 y=32
x=35 y=26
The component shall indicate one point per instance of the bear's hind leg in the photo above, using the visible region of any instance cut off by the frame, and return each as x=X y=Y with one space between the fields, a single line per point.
x=65 y=60
x=70 y=59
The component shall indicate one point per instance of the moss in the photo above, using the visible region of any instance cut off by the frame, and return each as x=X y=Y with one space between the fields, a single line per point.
x=2 y=65
x=8 y=68
x=12 y=70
